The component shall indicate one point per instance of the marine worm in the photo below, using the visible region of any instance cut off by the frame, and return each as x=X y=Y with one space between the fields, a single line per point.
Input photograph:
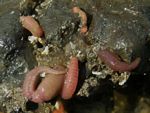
x=29 y=23
x=114 y=62
x=37 y=91
x=83 y=17
x=71 y=79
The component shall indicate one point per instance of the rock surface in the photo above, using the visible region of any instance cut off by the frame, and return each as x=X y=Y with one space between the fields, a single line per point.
x=122 y=26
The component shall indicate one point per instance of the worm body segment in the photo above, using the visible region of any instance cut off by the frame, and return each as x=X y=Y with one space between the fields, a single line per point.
x=114 y=62
x=83 y=17
x=32 y=25
x=71 y=79
x=37 y=91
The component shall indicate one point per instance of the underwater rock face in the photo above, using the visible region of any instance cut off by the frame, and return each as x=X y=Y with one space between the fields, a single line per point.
x=122 y=26
x=9 y=5
x=13 y=63
x=58 y=25
x=10 y=37
x=121 y=31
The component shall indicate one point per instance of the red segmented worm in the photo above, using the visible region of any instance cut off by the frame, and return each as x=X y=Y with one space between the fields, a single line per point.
x=71 y=79
x=83 y=16
x=47 y=88
x=115 y=63
x=32 y=25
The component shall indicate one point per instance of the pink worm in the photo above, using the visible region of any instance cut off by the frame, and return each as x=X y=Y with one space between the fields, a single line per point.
x=83 y=16
x=71 y=79
x=115 y=63
x=47 y=88
x=32 y=25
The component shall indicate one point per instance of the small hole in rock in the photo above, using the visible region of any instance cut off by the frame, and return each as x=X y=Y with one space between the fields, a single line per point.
x=30 y=106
